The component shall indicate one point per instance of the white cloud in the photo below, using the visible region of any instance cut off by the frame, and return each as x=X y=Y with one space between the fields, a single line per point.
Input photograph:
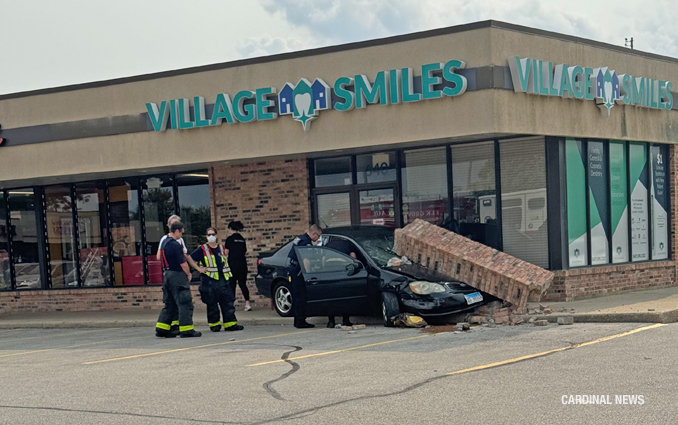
x=267 y=45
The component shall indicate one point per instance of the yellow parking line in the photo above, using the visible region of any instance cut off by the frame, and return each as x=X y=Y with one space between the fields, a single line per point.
x=68 y=346
x=338 y=351
x=197 y=346
x=571 y=347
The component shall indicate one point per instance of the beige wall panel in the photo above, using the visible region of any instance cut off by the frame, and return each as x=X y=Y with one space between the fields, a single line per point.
x=521 y=113
x=374 y=126
x=123 y=99
x=507 y=43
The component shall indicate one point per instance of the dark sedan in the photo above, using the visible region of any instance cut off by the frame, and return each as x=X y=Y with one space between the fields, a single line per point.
x=338 y=284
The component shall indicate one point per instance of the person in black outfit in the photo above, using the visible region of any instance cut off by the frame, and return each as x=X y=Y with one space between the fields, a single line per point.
x=237 y=248
x=344 y=247
x=214 y=289
x=176 y=289
x=298 y=285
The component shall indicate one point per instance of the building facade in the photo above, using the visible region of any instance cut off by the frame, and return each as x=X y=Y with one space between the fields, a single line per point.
x=554 y=149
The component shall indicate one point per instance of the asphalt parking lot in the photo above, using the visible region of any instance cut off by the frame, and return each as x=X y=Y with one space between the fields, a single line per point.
x=275 y=374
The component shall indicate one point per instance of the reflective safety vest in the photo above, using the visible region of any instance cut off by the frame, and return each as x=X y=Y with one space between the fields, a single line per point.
x=211 y=262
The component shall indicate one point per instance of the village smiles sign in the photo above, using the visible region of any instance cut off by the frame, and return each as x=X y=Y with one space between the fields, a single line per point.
x=305 y=100
x=603 y=85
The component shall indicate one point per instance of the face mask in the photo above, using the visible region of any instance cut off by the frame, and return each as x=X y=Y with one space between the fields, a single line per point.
x=211 y=238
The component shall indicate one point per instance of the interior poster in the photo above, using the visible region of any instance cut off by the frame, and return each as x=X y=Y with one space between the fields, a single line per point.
x=660 y=203
x=639 y=209
x=619 y=203
x=598 y=208
x=576 y=203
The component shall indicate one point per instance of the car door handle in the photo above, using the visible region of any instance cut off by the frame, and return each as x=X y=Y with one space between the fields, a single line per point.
x=313 y=280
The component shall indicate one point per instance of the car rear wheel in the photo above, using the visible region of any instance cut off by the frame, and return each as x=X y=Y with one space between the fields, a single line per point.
x=389 y=307
x=282 y=299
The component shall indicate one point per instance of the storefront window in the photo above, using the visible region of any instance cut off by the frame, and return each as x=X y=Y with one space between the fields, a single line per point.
x=639 y=182
x=126 y=232
x=577 y=230
x=93 y=234
x=24 y=228
x=377 y=207
x=660 y=202
x=475 y=193
x=158 y=198
x=598 y=203
x=334 y=209
x=194 y=207
x=5 y=277
x=523 y=199
x=424 y=186
x=376 y=167
x=333 y=172
x=60 y=236
x=619 y=202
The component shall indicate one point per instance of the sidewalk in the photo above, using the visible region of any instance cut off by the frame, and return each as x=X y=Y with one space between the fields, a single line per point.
x=649 y=306
x=146 y=318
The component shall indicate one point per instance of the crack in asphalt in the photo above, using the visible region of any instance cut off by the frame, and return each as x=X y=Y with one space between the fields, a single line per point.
x=268 y=386
x=313 y=410
x=102 y=412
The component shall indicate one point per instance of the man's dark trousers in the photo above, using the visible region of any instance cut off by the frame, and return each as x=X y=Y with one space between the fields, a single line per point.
x=298 y=296
x=176 y=294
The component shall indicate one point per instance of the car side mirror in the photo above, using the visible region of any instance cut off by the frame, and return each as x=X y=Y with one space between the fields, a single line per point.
x=354 y=268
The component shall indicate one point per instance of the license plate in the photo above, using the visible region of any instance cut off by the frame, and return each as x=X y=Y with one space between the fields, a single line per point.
x=475 y=297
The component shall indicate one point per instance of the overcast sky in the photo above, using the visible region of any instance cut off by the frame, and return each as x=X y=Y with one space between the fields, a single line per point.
x=50 y=43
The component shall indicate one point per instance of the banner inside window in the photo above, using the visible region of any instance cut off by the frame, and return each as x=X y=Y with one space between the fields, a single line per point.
x=576 y=203
x=660 y=203
x=619 y=202
x=638 y=182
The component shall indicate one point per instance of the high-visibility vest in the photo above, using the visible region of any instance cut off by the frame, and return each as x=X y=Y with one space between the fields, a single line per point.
x=211 y=262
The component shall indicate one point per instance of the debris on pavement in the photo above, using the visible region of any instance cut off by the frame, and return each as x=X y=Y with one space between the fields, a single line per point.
x=409 y=320
x=541 y=322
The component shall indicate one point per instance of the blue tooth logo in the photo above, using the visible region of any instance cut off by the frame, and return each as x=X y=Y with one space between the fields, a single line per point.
x=304 y=100
x=607 y=89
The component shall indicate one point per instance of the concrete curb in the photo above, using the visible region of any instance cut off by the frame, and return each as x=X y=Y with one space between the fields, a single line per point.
x=148 y=323
x=670 y=316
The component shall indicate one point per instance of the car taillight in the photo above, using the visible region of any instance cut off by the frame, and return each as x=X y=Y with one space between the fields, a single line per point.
x=258 y=262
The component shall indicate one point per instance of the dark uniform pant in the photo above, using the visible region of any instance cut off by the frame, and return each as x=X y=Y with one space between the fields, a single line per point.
x=176 y=294
x=216 y=294
x=298 y=295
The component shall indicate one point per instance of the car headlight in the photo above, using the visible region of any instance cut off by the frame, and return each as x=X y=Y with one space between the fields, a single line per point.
x=426 y=288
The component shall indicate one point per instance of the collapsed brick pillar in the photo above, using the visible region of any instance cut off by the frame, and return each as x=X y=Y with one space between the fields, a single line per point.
x=477 y=265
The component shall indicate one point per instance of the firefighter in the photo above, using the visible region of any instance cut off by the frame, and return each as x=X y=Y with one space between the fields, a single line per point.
x=214 y=289
x=176 y=289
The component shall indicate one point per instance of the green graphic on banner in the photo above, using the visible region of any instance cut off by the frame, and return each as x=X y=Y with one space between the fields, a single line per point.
x=619 y=202
x=576 y=203
x=638 y=182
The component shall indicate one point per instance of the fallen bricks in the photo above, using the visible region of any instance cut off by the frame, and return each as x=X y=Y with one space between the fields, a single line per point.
x=460 y=259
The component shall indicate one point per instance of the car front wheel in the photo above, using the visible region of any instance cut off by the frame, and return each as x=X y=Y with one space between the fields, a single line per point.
x=390 y=307
x=282 y=299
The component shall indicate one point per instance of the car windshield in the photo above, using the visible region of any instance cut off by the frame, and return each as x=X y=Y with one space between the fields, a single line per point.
x=379 y=246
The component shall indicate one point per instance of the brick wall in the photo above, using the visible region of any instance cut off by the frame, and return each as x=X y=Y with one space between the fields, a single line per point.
x=271 y=199
x=86 y=299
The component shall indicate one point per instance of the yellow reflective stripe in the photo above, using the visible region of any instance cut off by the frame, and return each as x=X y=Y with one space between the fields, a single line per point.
x=175 y=323
x=164 y=326
x=185 y=328
x=211 y=325
x=229 y=324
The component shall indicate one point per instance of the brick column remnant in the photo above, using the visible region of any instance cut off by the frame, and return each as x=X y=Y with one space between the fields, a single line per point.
x=477 y=265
